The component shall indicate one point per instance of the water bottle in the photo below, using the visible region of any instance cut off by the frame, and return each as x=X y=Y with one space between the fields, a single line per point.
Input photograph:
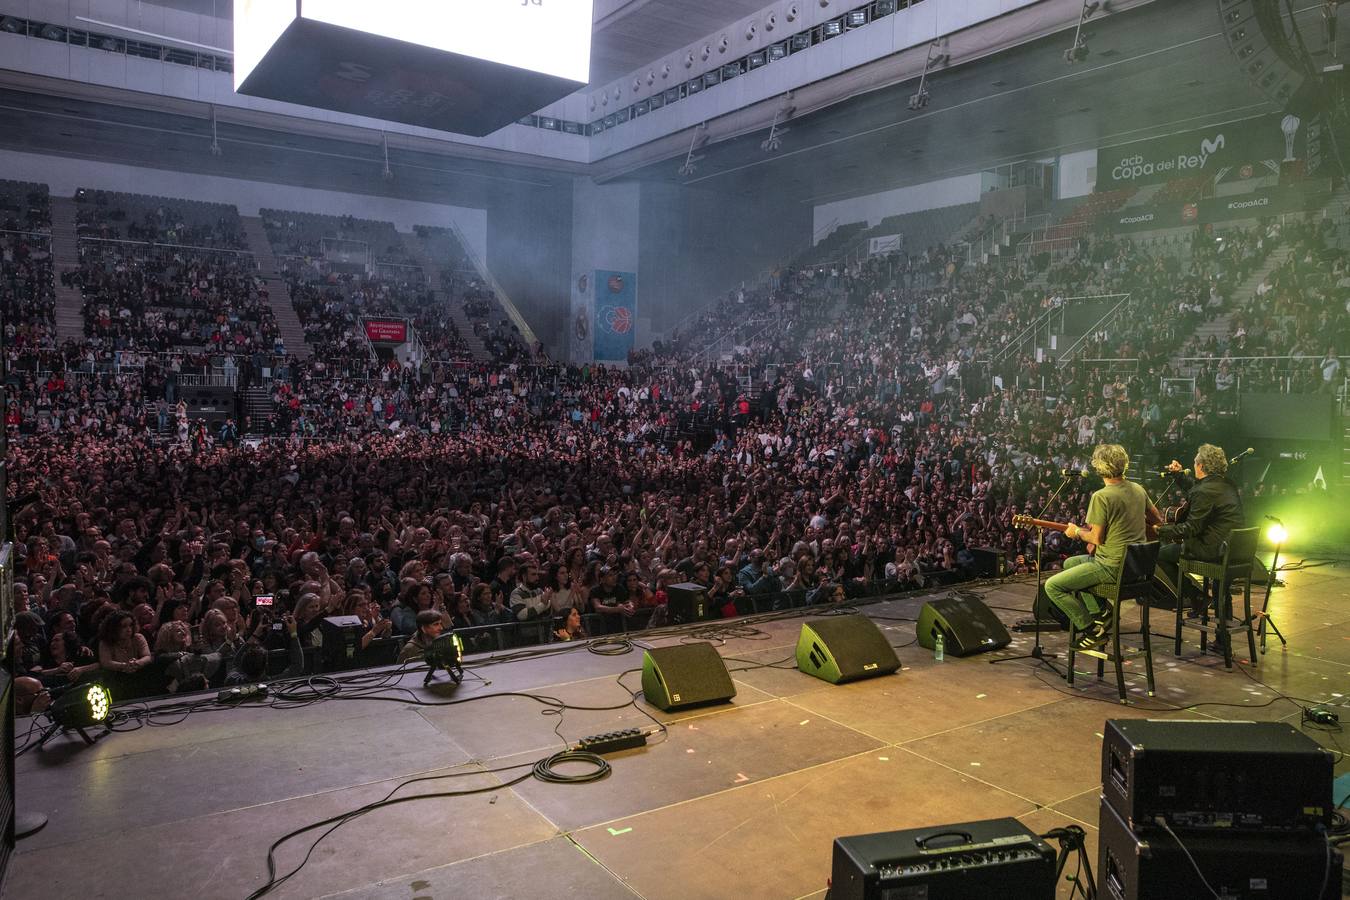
x=938 y=646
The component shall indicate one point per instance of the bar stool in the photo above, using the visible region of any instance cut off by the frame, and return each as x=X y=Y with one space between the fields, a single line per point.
x=1134 y=582
x=1216 y=579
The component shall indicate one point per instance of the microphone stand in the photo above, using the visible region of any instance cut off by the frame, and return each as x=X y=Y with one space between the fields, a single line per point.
x=1037 y=653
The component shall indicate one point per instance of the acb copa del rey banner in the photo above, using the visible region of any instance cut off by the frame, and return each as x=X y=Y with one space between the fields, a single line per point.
x=615 y=314
x=1252 y=147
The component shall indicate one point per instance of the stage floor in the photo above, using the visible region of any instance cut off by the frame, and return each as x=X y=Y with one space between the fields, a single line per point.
x=741 y=800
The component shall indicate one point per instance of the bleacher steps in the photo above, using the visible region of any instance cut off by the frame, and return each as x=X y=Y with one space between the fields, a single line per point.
x=66 y=258
x=278 y=294
x=433 y=270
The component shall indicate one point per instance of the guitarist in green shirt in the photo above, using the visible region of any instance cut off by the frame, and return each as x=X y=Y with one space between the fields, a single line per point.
x=1117 y=516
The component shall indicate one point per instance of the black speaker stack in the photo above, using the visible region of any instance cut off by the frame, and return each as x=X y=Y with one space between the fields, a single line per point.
x=1239 y=810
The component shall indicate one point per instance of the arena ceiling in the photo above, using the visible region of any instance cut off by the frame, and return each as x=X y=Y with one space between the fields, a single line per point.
x=1161 y=68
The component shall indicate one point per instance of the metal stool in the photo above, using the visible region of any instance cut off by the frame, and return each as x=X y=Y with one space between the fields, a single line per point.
x=1134 y=582
x=1217 y=578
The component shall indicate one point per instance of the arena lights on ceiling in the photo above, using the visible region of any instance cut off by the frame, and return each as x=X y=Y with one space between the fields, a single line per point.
x=1079 y=51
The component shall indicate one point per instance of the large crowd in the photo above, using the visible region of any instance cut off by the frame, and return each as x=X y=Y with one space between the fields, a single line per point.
x=857 y=437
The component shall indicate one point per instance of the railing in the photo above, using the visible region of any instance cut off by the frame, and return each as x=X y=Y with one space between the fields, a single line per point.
x=1107 y=318
x=503 y=300
x=1032 y=332
x=146 y=246
x=216 y=377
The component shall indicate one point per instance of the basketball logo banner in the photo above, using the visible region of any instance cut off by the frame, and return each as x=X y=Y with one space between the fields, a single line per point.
x=615 y=315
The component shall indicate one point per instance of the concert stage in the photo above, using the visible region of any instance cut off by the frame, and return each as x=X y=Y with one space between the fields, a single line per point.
x=741 y=800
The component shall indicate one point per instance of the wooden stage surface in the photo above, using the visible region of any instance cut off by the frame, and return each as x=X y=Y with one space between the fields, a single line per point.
x=740 y=800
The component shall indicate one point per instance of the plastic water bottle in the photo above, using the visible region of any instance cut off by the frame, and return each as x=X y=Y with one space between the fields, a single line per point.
x=938 y=645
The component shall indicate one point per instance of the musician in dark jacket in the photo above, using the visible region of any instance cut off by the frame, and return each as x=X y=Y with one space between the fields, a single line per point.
x=1214 y=509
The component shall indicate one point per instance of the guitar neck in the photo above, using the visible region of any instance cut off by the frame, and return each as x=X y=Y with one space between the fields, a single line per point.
x=1061 y=527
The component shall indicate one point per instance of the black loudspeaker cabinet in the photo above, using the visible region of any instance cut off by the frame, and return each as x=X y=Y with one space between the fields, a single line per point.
x=1228 y=776
x=687 y=602
x=990 y=562
x=341 y=642
x=685 y=675
x=844 y=648
x=995 y=858
x=1237 y=865
x=967 y=626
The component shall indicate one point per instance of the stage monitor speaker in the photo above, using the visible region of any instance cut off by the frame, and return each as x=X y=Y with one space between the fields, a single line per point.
x=844 y=648
x=1290 y=865
x=967 y=626
x=965 y=861
x=990 y=562
x=687 y=602
x=685 y=675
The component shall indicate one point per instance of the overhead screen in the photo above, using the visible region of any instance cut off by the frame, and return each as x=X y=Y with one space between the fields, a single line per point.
x=457 y=65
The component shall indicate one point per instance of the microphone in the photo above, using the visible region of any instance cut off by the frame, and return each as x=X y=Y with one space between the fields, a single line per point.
x=1242 y=454
x=1273 y=519
x=1074 y=473
x=1166 y=474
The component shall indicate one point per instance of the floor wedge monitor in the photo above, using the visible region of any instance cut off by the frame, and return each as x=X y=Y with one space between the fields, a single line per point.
x=685 y=675
x=844 y=648
x=967 y=626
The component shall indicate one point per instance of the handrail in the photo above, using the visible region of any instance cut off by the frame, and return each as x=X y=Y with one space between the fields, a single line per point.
x=480 y=265
x=38 y=234
x=193 y=247
x=1110 y=314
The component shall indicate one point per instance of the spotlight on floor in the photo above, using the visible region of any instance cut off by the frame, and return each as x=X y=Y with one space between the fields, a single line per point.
x=1277 y=534
x=79 y=708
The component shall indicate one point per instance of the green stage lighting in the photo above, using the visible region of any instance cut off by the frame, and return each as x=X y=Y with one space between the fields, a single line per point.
x=1277 y=534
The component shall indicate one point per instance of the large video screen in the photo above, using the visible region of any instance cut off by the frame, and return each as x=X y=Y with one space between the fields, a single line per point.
x=552 y=37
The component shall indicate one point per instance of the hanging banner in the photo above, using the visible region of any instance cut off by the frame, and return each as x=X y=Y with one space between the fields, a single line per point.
x=580 y=322
x=1248 y=148
x=887 y=243
x=615 y=314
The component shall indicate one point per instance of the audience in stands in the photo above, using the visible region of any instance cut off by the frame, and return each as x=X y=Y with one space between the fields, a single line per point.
x=840 y=430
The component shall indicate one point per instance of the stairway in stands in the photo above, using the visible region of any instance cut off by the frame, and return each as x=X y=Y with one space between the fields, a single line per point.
x=66 y=258
x=1221 y=326
x=258 y=406
x=432 y=269
x=278 y=294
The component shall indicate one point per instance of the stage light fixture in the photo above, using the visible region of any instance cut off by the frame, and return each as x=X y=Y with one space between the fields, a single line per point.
x=778 y=51
x=79 y=708
x=832 y=28
x=1277 y=534
x=446 y=652
x=883 y=8
x=11 y=24
x=53 y=33
x=856 y=18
